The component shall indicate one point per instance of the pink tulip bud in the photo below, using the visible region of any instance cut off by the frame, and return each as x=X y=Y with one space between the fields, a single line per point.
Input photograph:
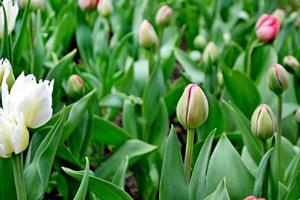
x=267 y=28
x=253 y=198
x=87 y=4
x=278 y=79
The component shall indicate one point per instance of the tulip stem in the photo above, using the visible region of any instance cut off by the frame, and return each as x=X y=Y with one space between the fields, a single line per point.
x=189 y=153
x=251 y=48
x=150 y=61
x=266 y=177
x=18 y=176
x=278 y=137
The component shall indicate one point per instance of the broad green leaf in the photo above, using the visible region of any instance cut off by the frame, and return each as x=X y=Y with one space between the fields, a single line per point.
x=195 y=74
x=294 y=192
x=261 y=173
x=101 y=188
x=7 y=184
x=226 y=162
x=242 y=90
x=220 y=193
x=80 y=195
x=84 y=42
x=108 y=133
x=37 y=172
x=129 y=118
x=198 y=183
x=119 y=177
x=243 y=124
x=133 y=149
x=291 y=170
x=173 y=184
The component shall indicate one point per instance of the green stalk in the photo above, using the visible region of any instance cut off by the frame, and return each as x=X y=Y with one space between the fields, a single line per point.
x=150 y=61
x=160 y=40
x=266 y=177
x=251 y=48
x=18 y=176
x=189 y=153
x=278 y=138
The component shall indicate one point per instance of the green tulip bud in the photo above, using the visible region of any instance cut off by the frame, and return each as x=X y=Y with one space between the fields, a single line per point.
x=164 y=16
x=200 y=41
x=210 y=54
x=105 y=8
x=147 y=35
x=227 y=37
x=278 y=79
x=262 y=122
x=192 y=108
x=291 y=63
x=75 y=86
x=297 y=116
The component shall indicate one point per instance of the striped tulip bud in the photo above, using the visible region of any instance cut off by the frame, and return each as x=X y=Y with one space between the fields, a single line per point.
x=200 y=41
x=147 y=35
x=210 y=54
x=262 y=122
x=267 y=28
x=105 y=8
x=164 y=16
x=75 y=86
x=192 y=108
x=291 y=63
x=278 y=79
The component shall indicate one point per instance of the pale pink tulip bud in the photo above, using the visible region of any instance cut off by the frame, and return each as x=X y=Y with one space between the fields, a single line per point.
x=147 y=35
x=75 y=86
x=163 y=16
x=105 y=8
x=267 y=28
x=253 y=198
x=278 y=79
x=87 y=4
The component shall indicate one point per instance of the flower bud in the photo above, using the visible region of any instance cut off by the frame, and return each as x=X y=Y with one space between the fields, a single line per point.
x=210 y=54
x=297 y=116
x=147 y=35
x=227 y=37
x=253 y=198
x=75 y=86
x=267 y=28
x=87 y=4
x=195 y=55
x=11 y=10
x=280 y=15
x=278 y=79
x=291 y=63
x=200 y=41
x=192 y=108
x=164 y=16
x=6 y=73
x=105 y=8
x=262 y=122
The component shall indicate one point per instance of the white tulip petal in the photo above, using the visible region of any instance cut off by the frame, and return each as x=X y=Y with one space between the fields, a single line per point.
x=11 y=10
x=19 y=136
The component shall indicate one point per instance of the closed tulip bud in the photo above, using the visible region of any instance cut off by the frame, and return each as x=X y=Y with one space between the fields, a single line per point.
x=192 y=108
x=147 y=35
x=291 y=63
x=253 y=198
x=34 y=4
x=200 y=41
x=11 y=10
x=210 y=54
x=164 y=16
x=278 y=79
x=280 y=15
x=75 y=86
x=195 y=55
x=105 y=8
x=297 y=116
x=6 y=73
x=87 y=4
x=227 y=38
x=262 y=122
x=267 y=28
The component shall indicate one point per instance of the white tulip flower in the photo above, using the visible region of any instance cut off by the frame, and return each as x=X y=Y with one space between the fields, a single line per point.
x=11 y=10
x=32 y=99
x=14 y=136
x=6 y=72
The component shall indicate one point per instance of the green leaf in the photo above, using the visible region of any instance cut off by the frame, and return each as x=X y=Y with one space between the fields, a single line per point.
x=291 y=170
x=244 y=94
x=119 y=177
x=80 y=195
x=129 y=118
x=198 y=184
x=108 y=133
x=293 y=191
x=220 y=193
x=195 y=74
x=261 y=173
x=84 y=42
x=243 y=124
x=37 y=172
x=226 y=162
x=134 y=149
x=7 y=184
x=173 y=184
x=101 y=188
